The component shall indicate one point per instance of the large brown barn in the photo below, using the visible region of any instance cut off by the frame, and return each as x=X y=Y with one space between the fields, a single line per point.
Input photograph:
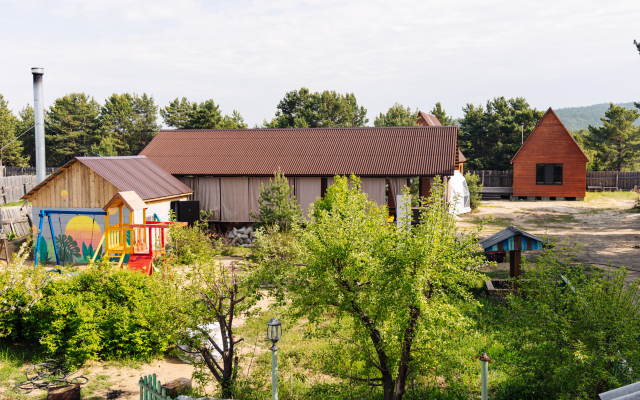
x=550 y=165
x=225 y=167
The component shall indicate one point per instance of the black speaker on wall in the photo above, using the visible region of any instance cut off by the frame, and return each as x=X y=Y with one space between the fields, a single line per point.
x=186 y=211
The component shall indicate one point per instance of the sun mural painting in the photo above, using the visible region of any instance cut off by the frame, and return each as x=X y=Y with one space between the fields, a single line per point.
x=83 y=235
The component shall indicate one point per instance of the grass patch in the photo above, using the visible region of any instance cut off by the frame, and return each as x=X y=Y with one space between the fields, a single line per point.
x=14 y=204
x=554 y=219
x=499 y=274
x=607 y=196
x=497 y=221
x=235 y=251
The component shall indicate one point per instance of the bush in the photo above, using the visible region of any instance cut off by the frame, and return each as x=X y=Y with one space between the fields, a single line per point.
x=188 y=242
x=475 y=186
x=98 y=314
x=571 y=334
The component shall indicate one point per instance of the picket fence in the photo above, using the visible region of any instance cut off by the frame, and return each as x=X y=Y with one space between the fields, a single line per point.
x=608 y=179
x=151 y=389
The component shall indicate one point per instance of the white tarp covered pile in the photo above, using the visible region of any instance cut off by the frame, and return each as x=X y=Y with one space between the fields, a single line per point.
x=244 y=236
x=459 y=195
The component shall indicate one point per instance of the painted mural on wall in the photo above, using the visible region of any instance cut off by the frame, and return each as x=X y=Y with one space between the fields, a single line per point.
x=77 y=236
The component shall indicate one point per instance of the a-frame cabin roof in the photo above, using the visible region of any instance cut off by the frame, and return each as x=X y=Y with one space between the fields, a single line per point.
x=550 y=117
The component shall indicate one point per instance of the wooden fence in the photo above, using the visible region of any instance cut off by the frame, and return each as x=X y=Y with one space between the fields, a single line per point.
x=15 y=171
x=12 y=188
x=495 y=178
x=609 y=179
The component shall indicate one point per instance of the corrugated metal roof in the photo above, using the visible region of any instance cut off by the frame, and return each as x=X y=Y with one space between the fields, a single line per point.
x=505 y=234
x=129 y=173
x=368 y=151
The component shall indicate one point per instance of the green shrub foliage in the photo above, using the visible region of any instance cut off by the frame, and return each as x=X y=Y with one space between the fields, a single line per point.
x=571 y=334
x=98 y=314
x=474 y=184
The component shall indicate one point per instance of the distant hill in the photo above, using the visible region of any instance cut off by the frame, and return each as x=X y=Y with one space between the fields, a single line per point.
x=575 y=118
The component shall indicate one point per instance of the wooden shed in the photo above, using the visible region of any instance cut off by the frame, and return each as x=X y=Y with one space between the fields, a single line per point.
x=87 y=184
x=550 y=165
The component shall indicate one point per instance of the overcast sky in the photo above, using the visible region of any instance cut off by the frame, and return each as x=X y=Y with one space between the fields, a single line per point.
x=246 y=55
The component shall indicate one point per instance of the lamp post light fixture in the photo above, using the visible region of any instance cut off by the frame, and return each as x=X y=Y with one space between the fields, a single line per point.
x=274 y=333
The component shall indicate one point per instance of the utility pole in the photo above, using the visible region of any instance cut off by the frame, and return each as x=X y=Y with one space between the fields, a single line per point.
x=522 y=125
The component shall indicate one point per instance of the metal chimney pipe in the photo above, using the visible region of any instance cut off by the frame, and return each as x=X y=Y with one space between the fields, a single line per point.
x=38 y=116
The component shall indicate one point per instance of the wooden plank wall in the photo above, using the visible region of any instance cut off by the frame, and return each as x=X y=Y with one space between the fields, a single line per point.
x=550 y=143
x=84 y=189
x=14 y=187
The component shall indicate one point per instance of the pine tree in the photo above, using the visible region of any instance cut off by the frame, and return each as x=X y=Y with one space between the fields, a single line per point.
x=11 y=153
x=116 y=118
x=276 y=204
x=397 y=116
x=617 y=142
x=489 y=138
x=25 y=122
x=144 y=125
x=304 y=109
x=178 y=113
x=72 y=127
x=441 y=115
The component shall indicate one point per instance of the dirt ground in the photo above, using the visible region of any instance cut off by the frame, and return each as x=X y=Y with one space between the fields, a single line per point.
x=608 y=228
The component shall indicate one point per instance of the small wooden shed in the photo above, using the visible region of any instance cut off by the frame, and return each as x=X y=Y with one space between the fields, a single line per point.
x=87 y=184
x=550 y=165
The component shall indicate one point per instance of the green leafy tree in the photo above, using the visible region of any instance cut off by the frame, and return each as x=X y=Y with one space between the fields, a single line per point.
x=182 y=114
x=26 y=123
x=106 y=148
x=489 y=138
x=12 y=152
x=210 y=293
x=130 y=121
x=617 y=143
x=572 y=334
x=178 y=113
x=278 y=208
x=637 y=45
x=594 y=163
x=396 y=290
x=442 y=115
x=397 y=115
x=72 y=126
x=303 y=109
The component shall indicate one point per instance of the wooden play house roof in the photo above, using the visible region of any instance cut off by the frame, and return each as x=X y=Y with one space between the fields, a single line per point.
x=129 y=200
x=90 y=182
x=505 y=240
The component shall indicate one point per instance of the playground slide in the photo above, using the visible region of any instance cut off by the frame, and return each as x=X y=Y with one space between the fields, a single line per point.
x=142 y=263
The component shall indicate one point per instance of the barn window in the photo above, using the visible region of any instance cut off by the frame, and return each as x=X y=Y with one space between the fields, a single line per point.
x=549 y=174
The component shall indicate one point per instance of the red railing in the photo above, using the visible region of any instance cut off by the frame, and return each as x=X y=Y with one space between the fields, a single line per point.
x=151 y=236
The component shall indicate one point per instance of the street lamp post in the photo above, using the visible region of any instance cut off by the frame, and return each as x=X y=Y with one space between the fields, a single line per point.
x=274 y=333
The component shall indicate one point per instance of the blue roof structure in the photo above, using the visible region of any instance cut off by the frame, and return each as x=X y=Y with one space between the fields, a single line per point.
x=504 y=240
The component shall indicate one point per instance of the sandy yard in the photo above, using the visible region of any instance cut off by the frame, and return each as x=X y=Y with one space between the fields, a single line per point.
x=606 y=226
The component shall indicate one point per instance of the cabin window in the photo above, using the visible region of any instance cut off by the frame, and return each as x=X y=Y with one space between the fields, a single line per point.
x=549 y=174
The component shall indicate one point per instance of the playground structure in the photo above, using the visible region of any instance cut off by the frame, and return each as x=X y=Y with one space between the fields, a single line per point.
x=141 y=242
